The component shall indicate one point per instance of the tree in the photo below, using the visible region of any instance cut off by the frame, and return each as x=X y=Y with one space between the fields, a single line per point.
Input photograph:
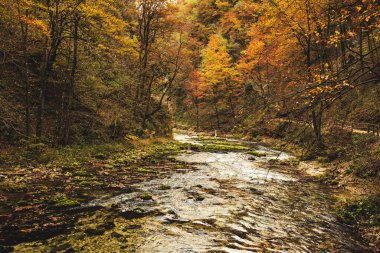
x=218 y=74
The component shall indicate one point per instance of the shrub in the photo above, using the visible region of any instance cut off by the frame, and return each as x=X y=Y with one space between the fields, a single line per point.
x=365 y=166
x=364 y=210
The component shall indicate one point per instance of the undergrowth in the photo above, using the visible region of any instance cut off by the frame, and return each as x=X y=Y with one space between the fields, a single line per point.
x=364 y=211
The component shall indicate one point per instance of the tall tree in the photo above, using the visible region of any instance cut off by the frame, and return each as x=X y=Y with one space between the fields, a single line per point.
x=218 y=74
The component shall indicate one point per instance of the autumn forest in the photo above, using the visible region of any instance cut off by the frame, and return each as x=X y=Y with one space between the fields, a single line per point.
x=105 y=98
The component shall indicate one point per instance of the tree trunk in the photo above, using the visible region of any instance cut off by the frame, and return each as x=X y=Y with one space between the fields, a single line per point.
x=217 y=114
x=197 y=114
x=317 y=126
x=25 y=74
x=51 y=49
x=41 y=97
x=70 y=93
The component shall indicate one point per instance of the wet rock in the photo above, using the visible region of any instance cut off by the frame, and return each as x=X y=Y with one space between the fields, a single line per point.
x=172 y=218
x=145 y=196
x=81 y=236
x=116 y=235
x=135 y=213
x=129 y=189
x=165 y=187
x=256 y=191
x=63 y=247
x=133 y=226
x=81 y=209
x=14 y=234
x=195 y=148
x=109 y=225
x=95 y=231
x=273 y=161
x=199 y=198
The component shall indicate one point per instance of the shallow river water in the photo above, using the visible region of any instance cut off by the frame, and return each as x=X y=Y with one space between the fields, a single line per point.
x=232 y=203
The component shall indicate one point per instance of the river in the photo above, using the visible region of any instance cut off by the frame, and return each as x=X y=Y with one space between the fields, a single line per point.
x=231 y=202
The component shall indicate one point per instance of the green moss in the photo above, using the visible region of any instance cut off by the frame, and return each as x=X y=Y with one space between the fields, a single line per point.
x=146 y=196
x=61 y=200
x=144 y=170
x=214 y=147
x=171 y=158
x=165 y=187
x=71 y=165
x=80 y=173
x=120 y=161
x=256 y=153
x=289 y=162
x=207 y=138
x=223 y=147
x=108 y=166
x=224 y=143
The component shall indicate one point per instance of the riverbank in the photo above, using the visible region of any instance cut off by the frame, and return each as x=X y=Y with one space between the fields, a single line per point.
x=224 y=195
x=350 y=163
x=42 y=189
x=133 y=178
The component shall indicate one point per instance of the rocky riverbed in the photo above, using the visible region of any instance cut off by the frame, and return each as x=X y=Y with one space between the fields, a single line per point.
x=224 y=196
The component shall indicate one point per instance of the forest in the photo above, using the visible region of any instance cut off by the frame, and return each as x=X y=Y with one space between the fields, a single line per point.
x=107 y=98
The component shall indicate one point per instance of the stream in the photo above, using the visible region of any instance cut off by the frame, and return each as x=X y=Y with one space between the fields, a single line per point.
x=231 y=202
